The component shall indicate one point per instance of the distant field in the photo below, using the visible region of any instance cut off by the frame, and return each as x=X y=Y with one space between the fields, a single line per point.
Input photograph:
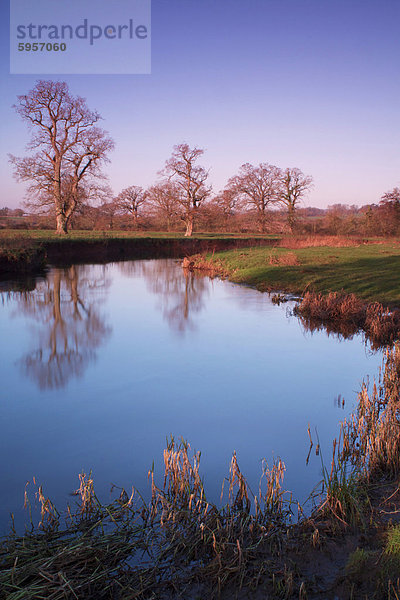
x=372 y=271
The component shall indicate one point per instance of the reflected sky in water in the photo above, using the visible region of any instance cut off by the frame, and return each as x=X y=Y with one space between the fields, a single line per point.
x=100 y=363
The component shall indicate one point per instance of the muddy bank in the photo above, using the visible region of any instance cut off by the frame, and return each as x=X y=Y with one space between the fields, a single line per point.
x=22 y=259
x=65 y=251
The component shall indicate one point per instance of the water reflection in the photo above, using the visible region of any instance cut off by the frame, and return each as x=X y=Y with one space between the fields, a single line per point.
x=339 y=330
x=182 y=293
x=68 y=326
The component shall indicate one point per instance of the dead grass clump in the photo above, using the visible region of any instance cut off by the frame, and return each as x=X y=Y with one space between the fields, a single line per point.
x=372 y=435
x=368 y=448
x=345 y=497
x=199 y=262
x=334 y=306
x=287 y=259
x=347 y=314
x=381 y=324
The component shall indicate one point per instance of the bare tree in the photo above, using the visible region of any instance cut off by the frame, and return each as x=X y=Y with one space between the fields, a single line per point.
x=190 y=179
x=256 y=187
x=129 y=201
x=387 y=213
x=293 y=186
x=70 y=148
x=163 y=197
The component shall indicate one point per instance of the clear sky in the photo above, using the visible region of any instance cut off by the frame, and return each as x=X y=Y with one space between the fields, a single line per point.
x=308 y=83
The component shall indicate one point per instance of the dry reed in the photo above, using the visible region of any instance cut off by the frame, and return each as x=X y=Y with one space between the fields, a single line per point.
x=133 y=549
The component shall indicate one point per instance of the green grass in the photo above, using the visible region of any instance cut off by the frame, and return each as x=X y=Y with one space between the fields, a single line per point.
x=370 y=271
x=392 y=547
x=357 y=562
x=48 y=236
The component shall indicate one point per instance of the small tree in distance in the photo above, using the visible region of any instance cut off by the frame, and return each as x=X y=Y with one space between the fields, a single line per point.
x=256 y=187
x=190 y=178
x=392 y=196
x=387 y=214
x=69 y=148
x=129 y=201
x=293 y=186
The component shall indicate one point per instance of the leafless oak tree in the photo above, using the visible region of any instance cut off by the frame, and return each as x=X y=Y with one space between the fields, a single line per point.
x=190 y=179
x=293 y=186
x=129 y=201
x=69 y=148
x=256 y=187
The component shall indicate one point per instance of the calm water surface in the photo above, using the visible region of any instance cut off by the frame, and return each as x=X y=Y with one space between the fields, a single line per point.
x=99 y=364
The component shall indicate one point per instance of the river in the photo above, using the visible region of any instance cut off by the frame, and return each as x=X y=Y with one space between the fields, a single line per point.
x=101 y=363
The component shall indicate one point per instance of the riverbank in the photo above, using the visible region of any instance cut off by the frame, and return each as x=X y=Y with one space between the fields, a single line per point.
x=178 y=545
x=30 y=251
x=343 y=289
x=368 y=270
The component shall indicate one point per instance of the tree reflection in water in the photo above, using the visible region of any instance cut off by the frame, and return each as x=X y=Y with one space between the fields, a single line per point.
x=181 y=292
x=68 y=327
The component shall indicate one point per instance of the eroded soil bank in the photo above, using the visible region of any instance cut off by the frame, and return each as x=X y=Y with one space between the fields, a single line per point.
x=24 y=254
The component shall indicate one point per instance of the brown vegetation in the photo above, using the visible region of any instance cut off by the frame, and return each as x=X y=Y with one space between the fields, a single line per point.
x=289 y=259
x=347 y=314
x=199 y=262
x=311 y=241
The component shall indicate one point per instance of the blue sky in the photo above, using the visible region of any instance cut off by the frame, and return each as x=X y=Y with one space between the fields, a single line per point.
x=308 y=83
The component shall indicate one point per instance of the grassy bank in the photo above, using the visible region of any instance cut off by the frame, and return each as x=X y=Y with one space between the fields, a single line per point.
x=370 y=271
x=178 y=545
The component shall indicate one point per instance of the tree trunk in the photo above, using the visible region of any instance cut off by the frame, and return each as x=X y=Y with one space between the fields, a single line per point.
x=189 y=226
x=262 y=221
x=291 y=217
x=62 y=224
